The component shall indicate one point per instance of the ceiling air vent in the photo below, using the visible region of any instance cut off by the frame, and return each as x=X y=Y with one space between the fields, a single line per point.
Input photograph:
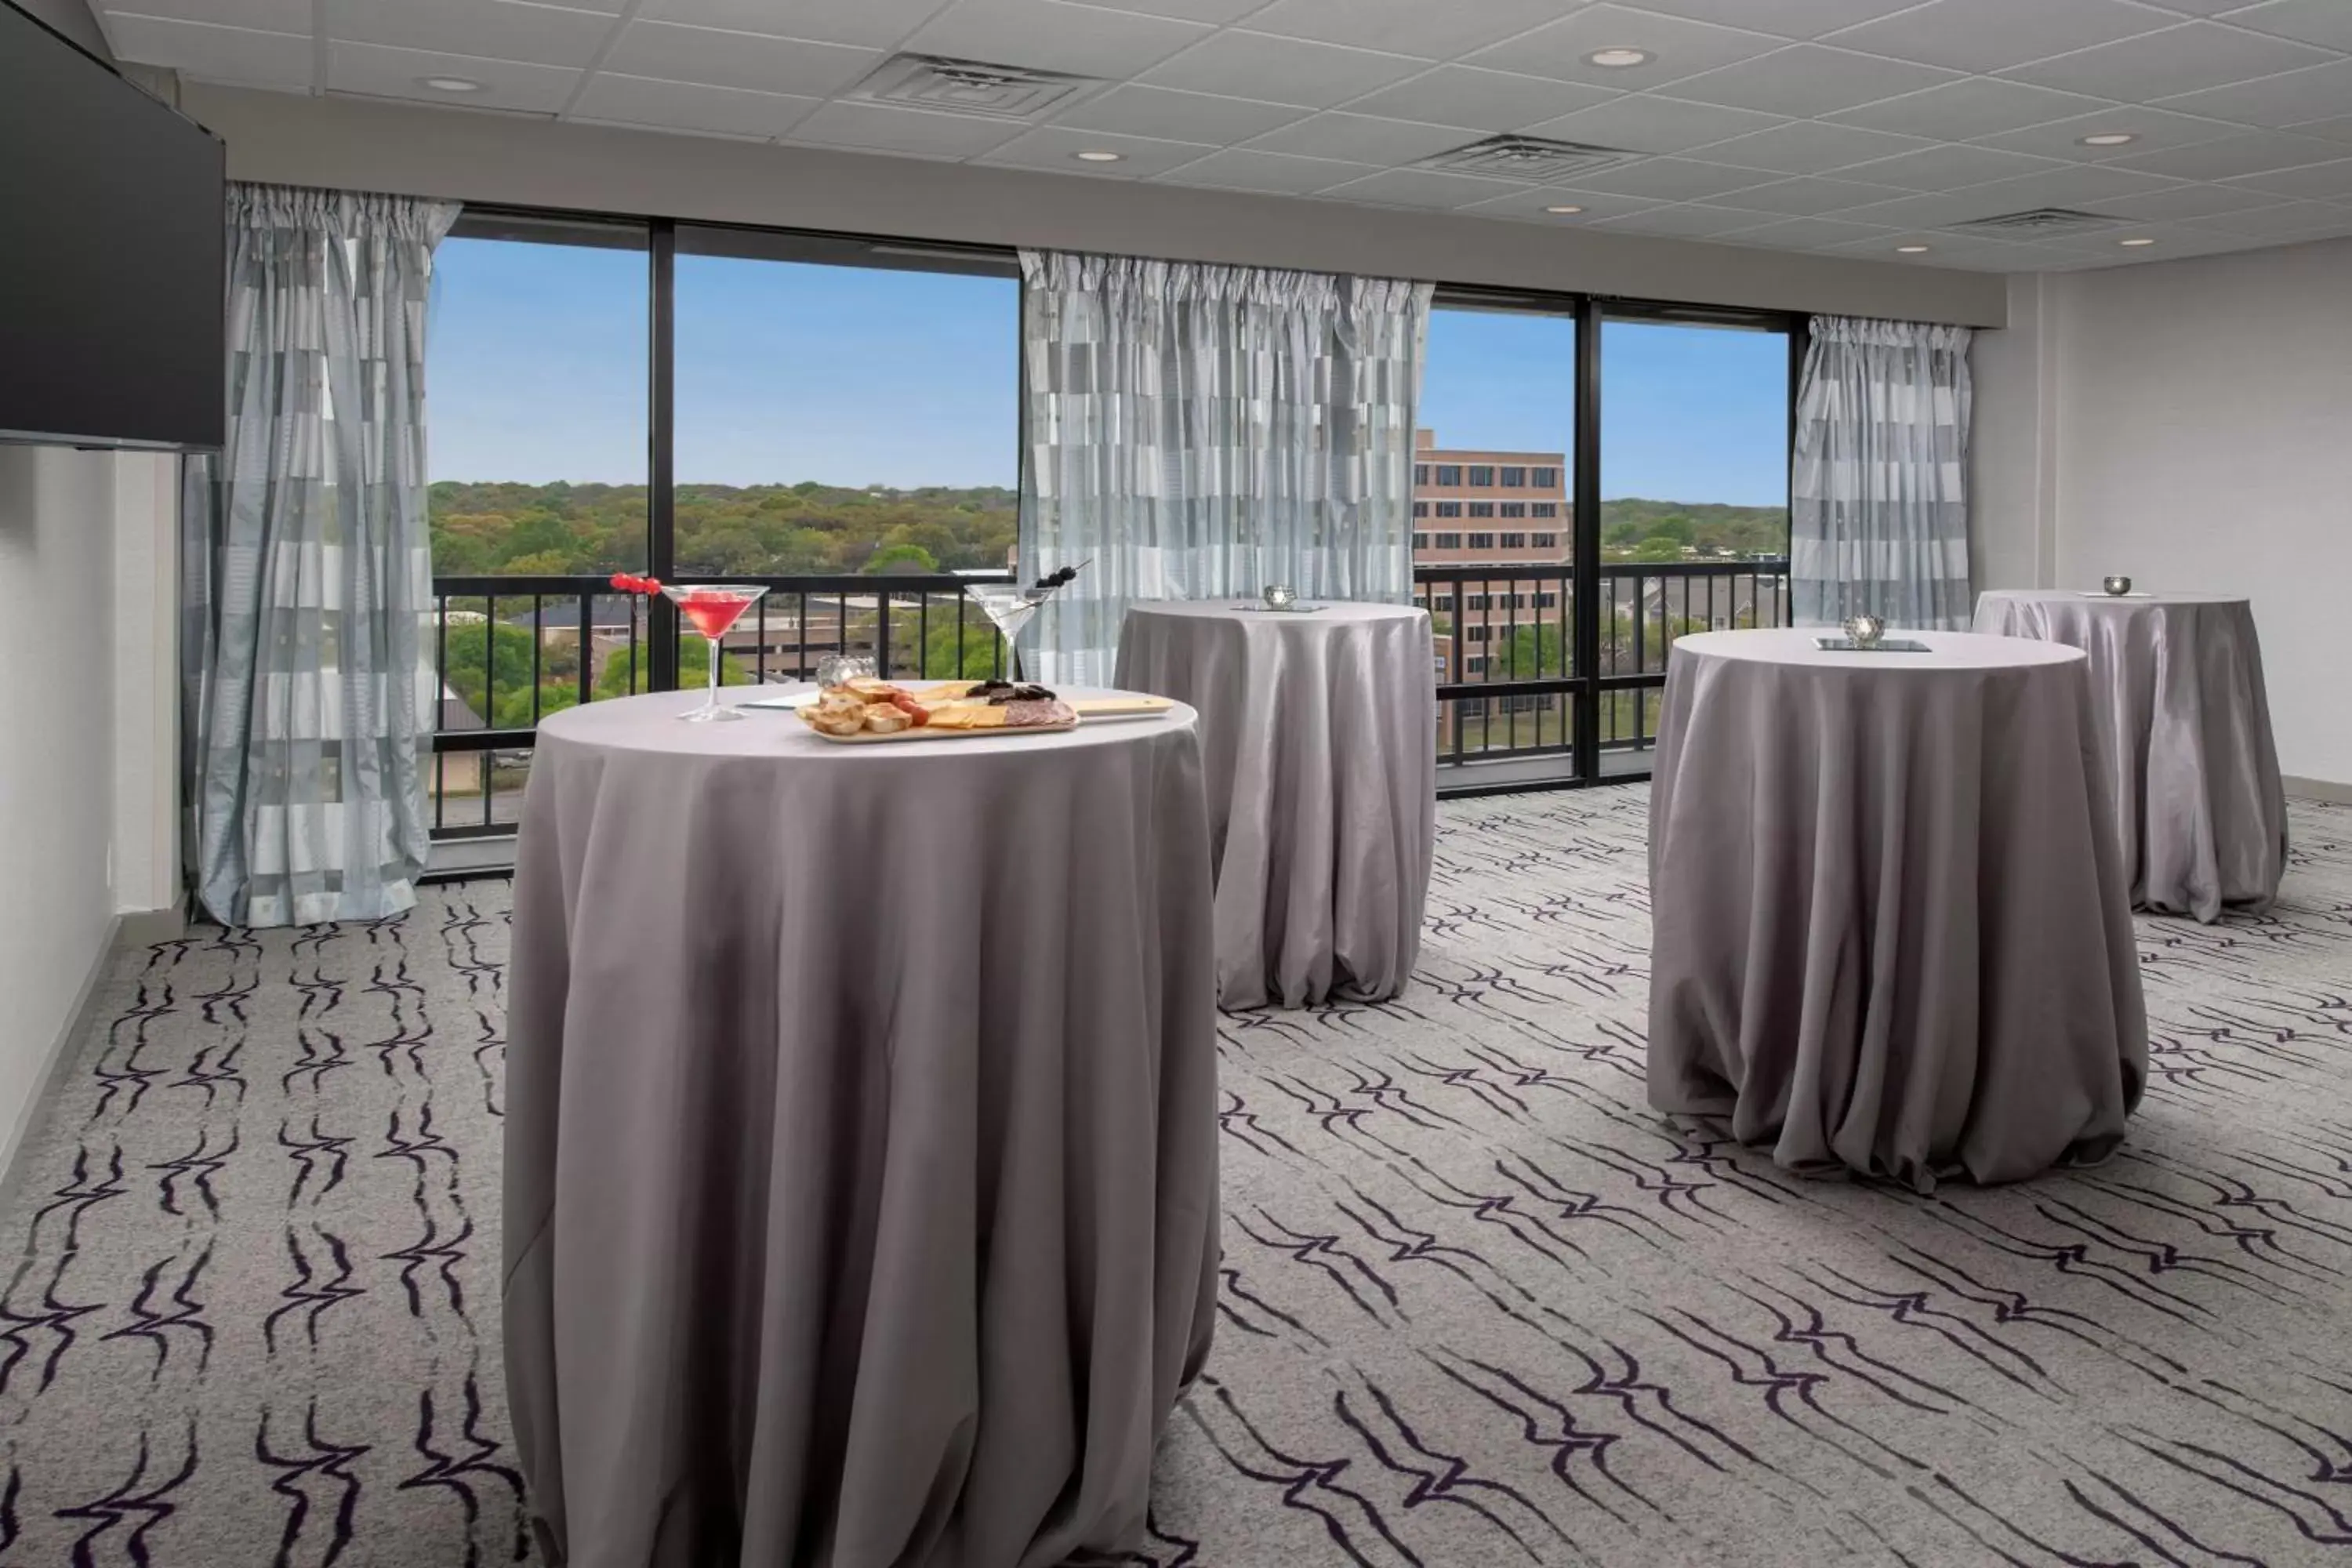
x=1530 y=158
x=968 y=87
x=2035 y=224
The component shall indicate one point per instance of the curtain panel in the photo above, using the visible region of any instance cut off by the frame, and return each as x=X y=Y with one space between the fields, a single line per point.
x=1879 y=519
x=1195 y=431
x=309 y=678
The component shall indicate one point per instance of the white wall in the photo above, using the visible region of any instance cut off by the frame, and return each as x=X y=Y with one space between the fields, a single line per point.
x=2013 y=446
x=56 y=754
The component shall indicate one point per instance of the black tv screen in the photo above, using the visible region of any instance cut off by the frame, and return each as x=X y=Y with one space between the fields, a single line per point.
x=110 y=255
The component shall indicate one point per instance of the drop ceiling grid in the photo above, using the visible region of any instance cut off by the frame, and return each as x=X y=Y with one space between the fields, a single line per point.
x=1845 y=127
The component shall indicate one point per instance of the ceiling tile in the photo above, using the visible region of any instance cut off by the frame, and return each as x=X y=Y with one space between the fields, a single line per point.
x=1239 y=169
x=2336 y=130
x=1807 y=79
x=1675 y=179
x=872 y=24
x=1678 y=48
x=1047 y=35
x=1491 y=100
x=2180 y=202
x=495 y=30
x=2065 y=186
x=1987 y=35
x=1530 y=201
x=1173 y=116
x=672 y=53
x=2288 y=220
x=1789 y=19
x=1973 y=106
x=1642 y=123
x=2327 y=23
x=1943 y=250
x=2254 y=153
x=2320 y=92
x=1421 y=188
x=1281 y=70
x=1056 y=147
x=1807 y=234
x=1928 y=212
x=1811 y=147
x=261 y=15
x=1217 y=11
x=684 y=106
x=1365 y=139
x=1686 y=221
x=876 y=128
x=240 y=55
x=2154 y=130
x=1943 y=168
x=1807 y=197
x=1438 y=31
x=2326 y=182
x=2193 y=56
x=381 y=72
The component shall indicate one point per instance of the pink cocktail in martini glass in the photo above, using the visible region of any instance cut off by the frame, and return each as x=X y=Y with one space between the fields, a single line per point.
x=712 y=609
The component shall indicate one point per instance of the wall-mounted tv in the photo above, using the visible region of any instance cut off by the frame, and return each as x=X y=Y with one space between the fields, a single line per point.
x=110 y=255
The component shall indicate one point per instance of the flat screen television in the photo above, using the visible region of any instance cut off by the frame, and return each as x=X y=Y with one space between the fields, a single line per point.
x=110 y=256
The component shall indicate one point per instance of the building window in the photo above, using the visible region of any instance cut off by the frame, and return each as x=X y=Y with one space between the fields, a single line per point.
x=1449 y=541
x=1514 y=542
x=1449 y=473
x=1420 y=509
x=1543 y=509
x=1420 y=473
x=1547 y=601
x=1546 y=540
x=1481 y=474
x=1441 y=601
x=1449 y=509
x=1515 y=508
x=1475 y=665
x=1473 y=601
x=1515 y=479
x=1543 y=478
x=1482 y=509
x=1482 y=542
x=1421 y=541
x=1474 y=634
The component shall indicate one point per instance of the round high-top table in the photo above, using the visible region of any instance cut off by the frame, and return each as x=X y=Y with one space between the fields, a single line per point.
x=1890 y=928
x=861 y=1183
x=1319 y=738
x=2185 y=735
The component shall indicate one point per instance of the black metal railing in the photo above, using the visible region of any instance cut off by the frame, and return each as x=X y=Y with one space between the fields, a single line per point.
x=508 y=651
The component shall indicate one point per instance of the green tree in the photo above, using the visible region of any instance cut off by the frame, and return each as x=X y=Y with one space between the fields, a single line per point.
x=910 y=556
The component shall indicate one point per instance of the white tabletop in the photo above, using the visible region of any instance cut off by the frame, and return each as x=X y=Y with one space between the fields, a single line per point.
x=1946 y=651
x=650 y=723
x=2094 y=597
x=1328 y=612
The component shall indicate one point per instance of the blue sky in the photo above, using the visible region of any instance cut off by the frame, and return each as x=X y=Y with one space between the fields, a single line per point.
x=851 y=376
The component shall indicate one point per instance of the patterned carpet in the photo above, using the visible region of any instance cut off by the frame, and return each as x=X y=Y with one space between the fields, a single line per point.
x=1481 y=1306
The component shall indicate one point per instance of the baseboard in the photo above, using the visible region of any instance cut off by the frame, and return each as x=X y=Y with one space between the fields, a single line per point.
x=2326 y=790
x=79 y=1018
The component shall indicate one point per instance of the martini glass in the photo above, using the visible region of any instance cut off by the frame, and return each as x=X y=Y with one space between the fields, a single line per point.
x=1012 y=606
x=712 y=608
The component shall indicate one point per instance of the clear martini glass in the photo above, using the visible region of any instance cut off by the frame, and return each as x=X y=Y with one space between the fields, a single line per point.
x=712 y=609
x=1012 y=606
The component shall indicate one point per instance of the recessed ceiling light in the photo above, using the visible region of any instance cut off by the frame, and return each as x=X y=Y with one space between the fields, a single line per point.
x=1563 y=211
x=1617 y=59
x=1909 y=249
x=2134 y=242
x=1099 y=157
x=449 y=83
x=2110 y=139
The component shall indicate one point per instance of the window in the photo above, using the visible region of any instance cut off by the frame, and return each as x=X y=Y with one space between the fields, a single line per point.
x=1515 y=508
x=1481 y=474
x=1695 y=450
x=1543 y=478
x=1475 y=665
x=1543 y=509
x=1449 y=509
x=1420 y=509
x=1515 y=479
x=1449 y=541
x=1474 y=634
x=1420 y=473
x=1482 y=542
x=1514 y=542
x=1421 y=541
x=1473 y=601
x=1441 y=601
x=1547 y=601
x=1449 y=474
x=1482 y=509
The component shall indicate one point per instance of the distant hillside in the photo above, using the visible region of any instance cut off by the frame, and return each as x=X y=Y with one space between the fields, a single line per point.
x=1634 y=528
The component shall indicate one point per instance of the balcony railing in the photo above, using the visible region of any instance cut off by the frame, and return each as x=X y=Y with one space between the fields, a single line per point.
x=508 y=651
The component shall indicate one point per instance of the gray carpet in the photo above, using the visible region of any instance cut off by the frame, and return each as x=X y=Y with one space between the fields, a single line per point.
x=1481 y=1306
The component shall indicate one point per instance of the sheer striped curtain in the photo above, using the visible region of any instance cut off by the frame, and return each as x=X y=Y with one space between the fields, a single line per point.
x=1197 y=431
x=1880 y=514
x=309 y=675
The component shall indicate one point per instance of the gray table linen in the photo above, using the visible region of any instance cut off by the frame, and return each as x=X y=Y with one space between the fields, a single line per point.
x=1318 y=745
x=861 y=1188
x=2185 y=739
x=1890 y=924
